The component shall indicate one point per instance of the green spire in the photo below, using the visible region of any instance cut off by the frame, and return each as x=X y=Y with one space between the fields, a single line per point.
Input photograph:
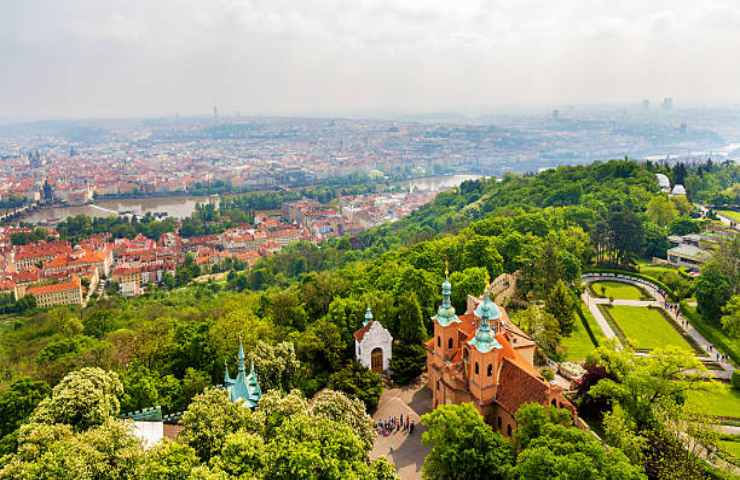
x=446 y=312
x=245 y=386
x=368 y=316
x=227 y=378
x=485 y=337
x=241 y=356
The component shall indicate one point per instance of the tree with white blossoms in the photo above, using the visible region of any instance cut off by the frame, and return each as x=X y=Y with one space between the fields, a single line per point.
x=211 y=417
x=276 y=365
x=74 y=434
x=349 y=411
x=277 y=406
x=84 y=398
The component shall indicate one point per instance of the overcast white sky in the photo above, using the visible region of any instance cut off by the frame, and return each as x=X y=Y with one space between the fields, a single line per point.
x=317 y=57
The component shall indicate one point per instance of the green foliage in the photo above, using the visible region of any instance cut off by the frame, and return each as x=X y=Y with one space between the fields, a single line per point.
x=341 y=408
x=463 y=445
x=359 y=382
x=471 y=281
x=561 y=304
x=278 y=406
x=731 y=318
x=276 y=365
x=306 y=447
x=542 y=326
x=408 y=362
x=410 y=322
x=211 y=417
x=735 y=381
x=713 y=291
x=242 y=455
x=84 y=398
x=168 y=461
x=16 y=404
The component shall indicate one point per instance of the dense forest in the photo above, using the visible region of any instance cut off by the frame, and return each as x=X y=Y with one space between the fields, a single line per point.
x=297 y=310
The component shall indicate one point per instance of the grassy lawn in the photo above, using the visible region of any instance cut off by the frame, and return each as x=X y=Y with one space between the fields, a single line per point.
x=733 y=448
x=734 y=216
x=651 y=270
x=646 y=327
x=722 y=401
x=578 y=345
x=619 y=290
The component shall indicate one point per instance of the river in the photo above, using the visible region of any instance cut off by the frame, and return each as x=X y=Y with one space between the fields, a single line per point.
x=177 y=206
x=182 y=206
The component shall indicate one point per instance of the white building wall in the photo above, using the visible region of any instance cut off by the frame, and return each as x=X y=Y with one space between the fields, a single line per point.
x=150 y=433
x=376 y=337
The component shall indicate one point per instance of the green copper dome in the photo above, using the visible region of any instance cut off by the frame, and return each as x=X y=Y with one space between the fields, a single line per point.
x=487 y=309
x=446 y=312
x=368 y=316
x=485 y=337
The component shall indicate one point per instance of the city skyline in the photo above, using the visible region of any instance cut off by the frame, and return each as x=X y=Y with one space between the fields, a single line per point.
x=323 y=58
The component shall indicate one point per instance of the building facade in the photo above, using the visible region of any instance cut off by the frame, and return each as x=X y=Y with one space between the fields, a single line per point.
x=482 y=358
x=373 y=344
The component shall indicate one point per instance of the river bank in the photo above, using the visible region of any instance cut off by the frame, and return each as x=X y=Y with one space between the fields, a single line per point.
x=179 y=205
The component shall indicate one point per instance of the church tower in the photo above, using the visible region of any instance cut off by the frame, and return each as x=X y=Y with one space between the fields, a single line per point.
x=445 y=324
x=444 y=343
x=482 y=351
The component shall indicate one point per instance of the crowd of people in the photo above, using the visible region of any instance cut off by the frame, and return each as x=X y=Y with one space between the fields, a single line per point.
x=395 y=424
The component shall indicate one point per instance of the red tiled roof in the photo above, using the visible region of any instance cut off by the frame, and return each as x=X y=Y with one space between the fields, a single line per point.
x=360 y=334
x=73 y=283
x=517 y=386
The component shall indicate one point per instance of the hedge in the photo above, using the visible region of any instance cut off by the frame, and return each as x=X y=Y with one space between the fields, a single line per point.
x=654 y=281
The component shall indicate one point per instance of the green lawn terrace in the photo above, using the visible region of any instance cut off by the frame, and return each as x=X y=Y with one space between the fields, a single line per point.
x=731 y=447
x=618 y=290
x=732 y=215
x=655 y=271
x=579 y=344
x=720 y=400
x=646 y=327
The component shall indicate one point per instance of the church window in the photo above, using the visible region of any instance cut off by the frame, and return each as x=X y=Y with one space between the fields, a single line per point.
x=498 y=422
x=439 y=341
x=449 y=343
x=477 y=369
x=437 y=384
x=508 y=430
x=490 y=370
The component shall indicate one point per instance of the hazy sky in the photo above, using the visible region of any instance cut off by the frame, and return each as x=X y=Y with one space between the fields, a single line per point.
x=158 y=57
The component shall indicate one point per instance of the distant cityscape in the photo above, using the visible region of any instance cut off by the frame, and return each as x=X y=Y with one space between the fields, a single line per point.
x=72 y=162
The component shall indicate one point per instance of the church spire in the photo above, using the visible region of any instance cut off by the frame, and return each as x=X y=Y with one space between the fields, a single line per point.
x=368 y=316
x=242 y=369
x=446 y=312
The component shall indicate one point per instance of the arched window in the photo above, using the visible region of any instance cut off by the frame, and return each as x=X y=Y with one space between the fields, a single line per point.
x=437 y=384
x=439 y=341
x=449 y=343
x=490 y=370
x=554 y=403
x=498 y=423
x=477 y=369
x=508 y=430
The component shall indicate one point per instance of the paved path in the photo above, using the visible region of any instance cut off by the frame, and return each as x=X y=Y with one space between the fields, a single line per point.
x=404 y=450
x=593 y=307
x=660 y=302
